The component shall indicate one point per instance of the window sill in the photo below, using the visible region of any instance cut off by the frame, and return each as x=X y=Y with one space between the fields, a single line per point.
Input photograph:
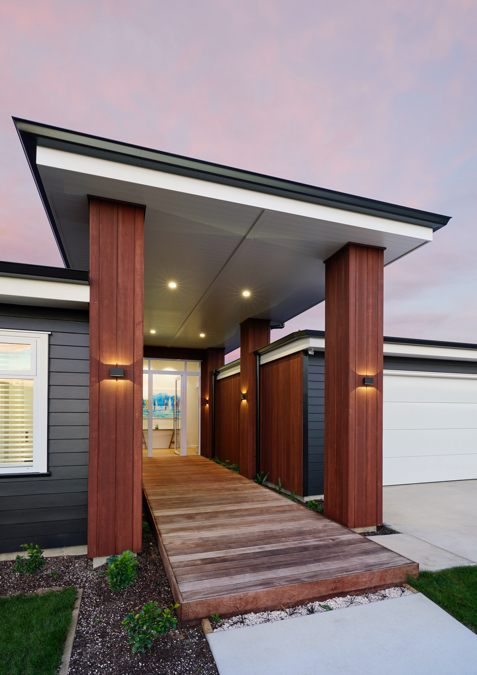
x=26 y=473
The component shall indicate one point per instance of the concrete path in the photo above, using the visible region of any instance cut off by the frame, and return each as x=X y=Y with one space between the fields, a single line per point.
x=404 y=636
x=436 y=521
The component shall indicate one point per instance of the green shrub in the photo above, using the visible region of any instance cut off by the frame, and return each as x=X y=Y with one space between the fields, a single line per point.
x=35 y=560
x=121 y=570
x=151 y=621
x=227 y=464
x=314 y=506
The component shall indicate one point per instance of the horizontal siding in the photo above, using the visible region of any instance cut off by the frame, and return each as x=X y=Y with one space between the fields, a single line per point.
x=316 y=423
x=52 y=510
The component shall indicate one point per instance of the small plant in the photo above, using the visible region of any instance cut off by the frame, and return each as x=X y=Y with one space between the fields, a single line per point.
x=215 y=618
x=151 y=621
x=53 y=574
x=260 y=478
x=35 y=560
x=227 y=464
x=121 y=570
x=146 y=528
x=327 y=608
x=314 y=506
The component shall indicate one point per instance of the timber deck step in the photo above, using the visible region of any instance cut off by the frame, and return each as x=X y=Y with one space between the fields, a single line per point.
x=230 y=545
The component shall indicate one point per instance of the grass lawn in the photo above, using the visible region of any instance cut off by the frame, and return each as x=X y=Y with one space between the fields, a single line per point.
x=455 y=590
x=33 y=631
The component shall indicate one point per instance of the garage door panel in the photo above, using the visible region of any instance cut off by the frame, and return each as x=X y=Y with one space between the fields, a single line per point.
x=403 y=471
x=427 y=415
x=410 y=388
x=430 y=427
x=428 y=442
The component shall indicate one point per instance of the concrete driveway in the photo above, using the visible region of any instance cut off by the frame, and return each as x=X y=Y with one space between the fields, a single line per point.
x=437 y=523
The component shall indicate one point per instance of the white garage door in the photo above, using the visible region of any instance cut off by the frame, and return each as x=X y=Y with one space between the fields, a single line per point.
x=430 y=427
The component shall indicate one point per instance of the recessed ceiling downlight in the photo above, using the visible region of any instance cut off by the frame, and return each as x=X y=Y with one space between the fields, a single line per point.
x=172 y=284
x=202 y=335
x=153 y=331
x=246 y=294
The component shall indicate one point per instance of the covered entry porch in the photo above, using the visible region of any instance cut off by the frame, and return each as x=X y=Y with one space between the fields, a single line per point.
x=231 y=546
x=188 y=260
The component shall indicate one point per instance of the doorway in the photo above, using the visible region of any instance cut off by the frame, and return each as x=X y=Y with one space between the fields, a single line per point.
x=170 y=410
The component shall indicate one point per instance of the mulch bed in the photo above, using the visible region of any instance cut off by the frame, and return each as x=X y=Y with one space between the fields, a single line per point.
x=101 y=644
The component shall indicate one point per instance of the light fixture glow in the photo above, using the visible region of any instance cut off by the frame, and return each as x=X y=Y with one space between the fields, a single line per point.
x=202 y=335
x=246 y=294
x=153 y=331
x=172 y=284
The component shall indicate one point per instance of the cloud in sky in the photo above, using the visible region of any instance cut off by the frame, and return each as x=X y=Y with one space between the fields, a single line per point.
x=372 y=98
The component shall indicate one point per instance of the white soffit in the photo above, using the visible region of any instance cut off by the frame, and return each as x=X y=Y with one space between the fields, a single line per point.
x=21 y=291
x=215 y=241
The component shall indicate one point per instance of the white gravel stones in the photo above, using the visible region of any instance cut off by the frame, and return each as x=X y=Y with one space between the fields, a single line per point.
x=312 y=608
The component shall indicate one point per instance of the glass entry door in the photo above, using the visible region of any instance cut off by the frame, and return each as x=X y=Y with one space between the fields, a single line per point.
x=171 y=408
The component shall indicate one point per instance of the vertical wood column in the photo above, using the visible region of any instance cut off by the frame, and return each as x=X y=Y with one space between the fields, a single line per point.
x=116 y=339
x=214 y=359
x=353 y=412
x=254 y=334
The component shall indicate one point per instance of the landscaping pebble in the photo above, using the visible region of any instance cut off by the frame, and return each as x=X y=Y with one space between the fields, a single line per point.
x=253 y=619
x=101 y=644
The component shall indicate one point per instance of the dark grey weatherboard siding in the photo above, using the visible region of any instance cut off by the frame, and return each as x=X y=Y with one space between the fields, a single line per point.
x=52 y=510
x=316 y=423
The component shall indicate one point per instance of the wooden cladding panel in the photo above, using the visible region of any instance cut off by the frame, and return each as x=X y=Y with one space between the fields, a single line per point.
x=353 y=421
x=116 y=338
x=214 y=359
x=227 y=418
x=281 y=417
x=254 y=334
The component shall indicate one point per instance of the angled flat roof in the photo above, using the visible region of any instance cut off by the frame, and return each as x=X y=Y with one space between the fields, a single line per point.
x=212 y=229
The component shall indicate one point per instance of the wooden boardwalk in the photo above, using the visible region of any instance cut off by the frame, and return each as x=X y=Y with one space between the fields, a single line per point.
x=230 y=545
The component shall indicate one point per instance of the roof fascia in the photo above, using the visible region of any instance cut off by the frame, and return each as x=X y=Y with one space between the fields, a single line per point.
x=31 y=133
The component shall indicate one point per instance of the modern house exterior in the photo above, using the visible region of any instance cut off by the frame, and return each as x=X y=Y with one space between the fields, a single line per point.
x=169 y=263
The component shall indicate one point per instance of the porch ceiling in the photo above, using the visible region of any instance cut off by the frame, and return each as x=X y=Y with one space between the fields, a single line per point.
x=213 y=233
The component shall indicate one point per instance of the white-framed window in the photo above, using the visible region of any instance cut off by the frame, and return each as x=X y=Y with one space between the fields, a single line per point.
x=23 y=402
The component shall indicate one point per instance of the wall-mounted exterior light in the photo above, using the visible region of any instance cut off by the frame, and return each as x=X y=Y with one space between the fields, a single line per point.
x=206 y=401
x=368 y=381
x=117 y=371
x=243 y=397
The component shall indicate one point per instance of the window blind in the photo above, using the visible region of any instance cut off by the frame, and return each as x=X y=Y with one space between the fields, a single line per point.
x=16 y=423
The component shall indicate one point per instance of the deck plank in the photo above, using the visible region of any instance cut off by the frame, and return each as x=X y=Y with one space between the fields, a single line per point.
x=230 y=545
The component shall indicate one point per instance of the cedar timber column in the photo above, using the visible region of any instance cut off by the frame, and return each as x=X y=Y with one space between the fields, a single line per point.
x=254 y=334
x=116 y=339
x=353 y=412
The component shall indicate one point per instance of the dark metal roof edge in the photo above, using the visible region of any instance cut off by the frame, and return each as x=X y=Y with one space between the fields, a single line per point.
x=29 y=148
x=292 y=337
x=214 y=172
x=429 y=343
x=227 y=366
x=14 y=269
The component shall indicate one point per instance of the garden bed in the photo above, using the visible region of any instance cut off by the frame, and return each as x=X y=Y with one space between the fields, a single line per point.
x=101 y=644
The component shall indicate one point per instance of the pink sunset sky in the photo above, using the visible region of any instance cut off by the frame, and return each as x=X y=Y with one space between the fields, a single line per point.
x=376 y=98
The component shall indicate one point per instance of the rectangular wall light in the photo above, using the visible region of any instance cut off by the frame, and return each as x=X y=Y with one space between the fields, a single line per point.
x=368 y=381
x=116 y=371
